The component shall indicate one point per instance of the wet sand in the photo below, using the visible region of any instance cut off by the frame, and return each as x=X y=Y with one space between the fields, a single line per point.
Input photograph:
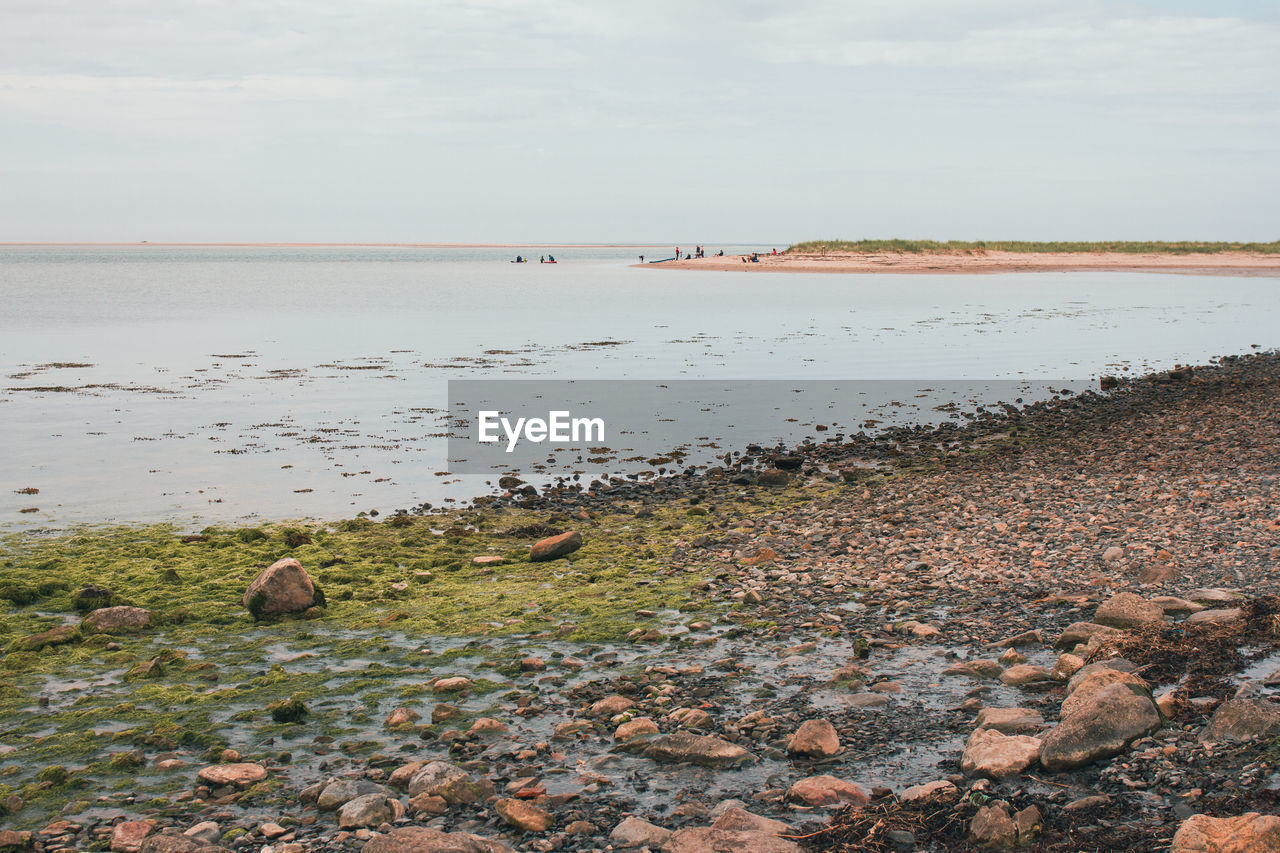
x=1234 y=263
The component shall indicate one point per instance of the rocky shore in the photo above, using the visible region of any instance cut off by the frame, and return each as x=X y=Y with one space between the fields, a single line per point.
x=1049 y=629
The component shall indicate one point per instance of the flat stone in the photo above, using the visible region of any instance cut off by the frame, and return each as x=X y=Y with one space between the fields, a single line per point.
x=1024 y=673
x=979 y=668
x=56 y=636
x=633 y=832
x=422 y=839
x=940 y=789
x=239 y=775
x=523 y=815
x=117 y=620
x=1017 y=641
x=1217 y=616
x=554 y=547
x=127 y=837
x=1010 y=721
x=1172 y=604
x=1126 y=610
x=206 y=831
x=705 y=750
x=610 y=706
x=826 y=791
x=735 y=817
x=1082 y=632
x=1213 y=596
x=708 y=839
x=1242 y=718
x=176 y=844
x=997 y=756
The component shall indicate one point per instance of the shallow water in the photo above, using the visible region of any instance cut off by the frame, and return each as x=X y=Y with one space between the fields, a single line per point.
x=207 y=384
x=350 y=694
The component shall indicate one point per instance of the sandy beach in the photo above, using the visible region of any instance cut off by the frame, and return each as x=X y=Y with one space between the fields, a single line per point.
x=1234 y=263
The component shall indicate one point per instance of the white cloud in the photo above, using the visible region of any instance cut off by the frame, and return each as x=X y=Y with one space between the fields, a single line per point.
x=632 y=100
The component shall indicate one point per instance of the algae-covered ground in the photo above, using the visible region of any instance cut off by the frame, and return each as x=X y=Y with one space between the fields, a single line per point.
x=85 y=718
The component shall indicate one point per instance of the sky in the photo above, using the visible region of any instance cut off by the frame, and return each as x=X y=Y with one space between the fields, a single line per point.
x=599 y=121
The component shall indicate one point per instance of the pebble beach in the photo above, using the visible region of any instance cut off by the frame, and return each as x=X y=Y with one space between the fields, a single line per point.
x=1052 y=629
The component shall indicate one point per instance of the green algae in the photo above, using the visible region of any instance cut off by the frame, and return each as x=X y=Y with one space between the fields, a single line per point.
x=402 y=599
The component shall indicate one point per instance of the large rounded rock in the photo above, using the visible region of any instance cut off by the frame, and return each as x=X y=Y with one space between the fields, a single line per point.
x=555 y=546
x=1081 y=691
x=1246 y=833
x=282 y=587
x=814 y=739
x=1114 y=717
x=369 y=810
x=117 y=620
x=1126 y=610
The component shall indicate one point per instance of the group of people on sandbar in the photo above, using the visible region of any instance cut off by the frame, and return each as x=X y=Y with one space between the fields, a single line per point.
x=543 y=259
x=698 y=252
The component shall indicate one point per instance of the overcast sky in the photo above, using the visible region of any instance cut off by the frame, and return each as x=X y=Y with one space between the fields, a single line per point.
x=560 y=120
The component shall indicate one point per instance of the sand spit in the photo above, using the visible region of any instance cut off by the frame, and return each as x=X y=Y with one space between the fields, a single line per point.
x=1234 y=263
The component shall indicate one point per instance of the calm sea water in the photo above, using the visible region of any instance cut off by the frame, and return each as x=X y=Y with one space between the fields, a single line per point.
x=199 y=385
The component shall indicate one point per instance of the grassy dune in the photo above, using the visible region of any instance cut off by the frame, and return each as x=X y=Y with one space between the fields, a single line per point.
x=963 y=246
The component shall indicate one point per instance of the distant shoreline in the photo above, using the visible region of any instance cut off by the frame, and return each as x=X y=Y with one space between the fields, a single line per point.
x=980 y=262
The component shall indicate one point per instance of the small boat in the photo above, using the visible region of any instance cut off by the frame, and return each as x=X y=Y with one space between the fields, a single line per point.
x=663 y=260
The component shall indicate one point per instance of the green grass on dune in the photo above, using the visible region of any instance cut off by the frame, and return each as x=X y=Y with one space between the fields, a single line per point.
x=1183 y=247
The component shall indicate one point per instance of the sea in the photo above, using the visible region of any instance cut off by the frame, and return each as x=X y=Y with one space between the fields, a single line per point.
x=219 y=385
